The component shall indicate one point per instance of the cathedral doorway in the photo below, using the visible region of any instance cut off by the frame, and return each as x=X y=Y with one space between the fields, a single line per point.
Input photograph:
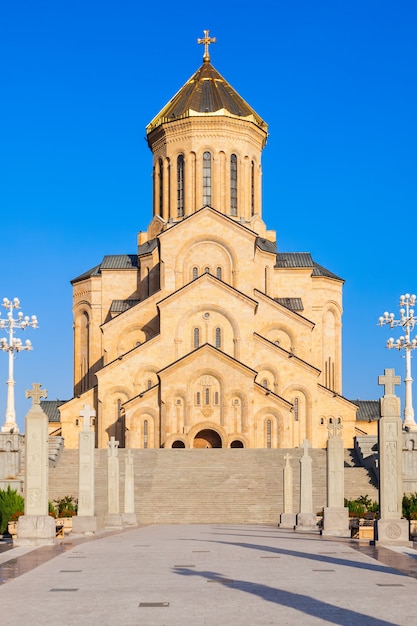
x=178 y=444
x=207 y=439
x=237 y=444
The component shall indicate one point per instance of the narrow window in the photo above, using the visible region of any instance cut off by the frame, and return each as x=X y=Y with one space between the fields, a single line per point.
x=195 y=273
x=198 y=398
x=218 y=338
x=207 y=270
x=149 y=383
x=206 y=178
x=161 y=186
x=219 y=273
x=196 y=337
x=268 y=433
x=207 y=395
x=180 y=186
x=145 y=434
x=119 y=410
x=265 y=383
x=216 y=397
x=296 y=409
x=252 y=188
x=233 y=185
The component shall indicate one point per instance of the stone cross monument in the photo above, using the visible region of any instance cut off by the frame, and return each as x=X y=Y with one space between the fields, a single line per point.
x=306 y=519
x=390 y=528
x=36 y=526
x=335 y=514
x=129 y=515
x=287 y=518
x=85 y=521
x=113 y=518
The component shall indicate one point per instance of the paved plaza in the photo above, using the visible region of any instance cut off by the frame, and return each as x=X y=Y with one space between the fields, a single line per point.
x=208 y=574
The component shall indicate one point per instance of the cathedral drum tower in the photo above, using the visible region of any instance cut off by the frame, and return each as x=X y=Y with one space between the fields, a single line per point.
x=208 y=336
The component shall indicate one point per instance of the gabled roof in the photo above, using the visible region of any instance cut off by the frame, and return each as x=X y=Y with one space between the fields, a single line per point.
x=120 y=306
x=216 y=351
x=303 y=259
x=266 y=245
x=206 y=93
x=368 y=410
x=50 y=408
x=294 y=304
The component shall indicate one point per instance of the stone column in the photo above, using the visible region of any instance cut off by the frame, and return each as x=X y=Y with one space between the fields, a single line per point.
x=306 y=519
x=11 y=445
x=85 y=521
x=390 y=528
x=129 y=516
x=287 y=518
x=335 y=515
x=36 y=526
x=113 y=518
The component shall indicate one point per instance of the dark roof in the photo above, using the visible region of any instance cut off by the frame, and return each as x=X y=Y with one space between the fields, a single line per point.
x=266 y=245
x=119 y=262
x=294 y=304
x=206 y=92
x=368 y=410
x=294 y=259
x=95 y=271
x=147 y=247
x=303 y=259
x=120 y=306
x=50 y=407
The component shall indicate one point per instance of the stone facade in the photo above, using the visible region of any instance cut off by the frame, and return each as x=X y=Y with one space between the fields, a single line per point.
x=208 y=336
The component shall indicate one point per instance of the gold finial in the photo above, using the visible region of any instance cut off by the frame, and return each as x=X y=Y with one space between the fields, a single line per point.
x=206 y=40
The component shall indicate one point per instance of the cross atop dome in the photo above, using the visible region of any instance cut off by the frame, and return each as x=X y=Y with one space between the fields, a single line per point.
x=206 y=40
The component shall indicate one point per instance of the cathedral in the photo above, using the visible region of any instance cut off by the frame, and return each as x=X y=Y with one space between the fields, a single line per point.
x=208 y=335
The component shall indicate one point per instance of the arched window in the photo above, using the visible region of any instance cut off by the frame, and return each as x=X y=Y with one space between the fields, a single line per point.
x=196 y=337
x=216 y=397
x=268 y=433
x=206 y=178
x=218 y=338
x=252 y=188
x=296 y=409
x=161 y=186
x=195 y=273
x=149 y=383
x=207 y=270
x=265 y=383
x=233 y=185
x=180 y=185
x=85 y=350
x=207 y=395
x=219 y=273
x=198 y=398
x=145 y=434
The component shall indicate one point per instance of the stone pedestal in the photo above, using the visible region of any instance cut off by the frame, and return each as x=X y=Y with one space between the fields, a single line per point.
x=390 y=532
x=306 y=521
x=336 y=521
x=10 y=459
x=35 y=530
x=287 y=520
x=84 y=524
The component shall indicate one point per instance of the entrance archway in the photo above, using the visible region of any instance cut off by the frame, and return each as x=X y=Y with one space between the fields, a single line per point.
x=237 y=444
x=178 y=444
x=207 y=439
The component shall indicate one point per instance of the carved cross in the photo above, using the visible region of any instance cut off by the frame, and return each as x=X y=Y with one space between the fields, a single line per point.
x=36 y=394
x=113 y=446
x=87 y=413
x=287 y=458
x=306 y=446
x=389 y=381
x=206 y=40
x=334 y=428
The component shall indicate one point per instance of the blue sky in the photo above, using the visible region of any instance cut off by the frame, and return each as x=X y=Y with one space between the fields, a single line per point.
x=336 y=82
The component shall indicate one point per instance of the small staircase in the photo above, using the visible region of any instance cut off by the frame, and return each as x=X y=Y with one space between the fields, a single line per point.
x=358 y=480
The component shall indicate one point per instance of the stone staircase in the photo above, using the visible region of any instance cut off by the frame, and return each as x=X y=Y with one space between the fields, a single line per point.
x=208 y=486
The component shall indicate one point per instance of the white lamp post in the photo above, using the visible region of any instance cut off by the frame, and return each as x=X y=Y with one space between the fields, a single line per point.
x=407 y=321
x=12 y=345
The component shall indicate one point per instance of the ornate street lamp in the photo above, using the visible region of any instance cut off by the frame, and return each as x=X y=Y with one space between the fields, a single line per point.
x=407 y=321
x=12 y=345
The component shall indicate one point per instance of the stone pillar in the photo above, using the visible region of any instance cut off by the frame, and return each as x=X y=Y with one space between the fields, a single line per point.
x=85 y=521
x=287 y=518
x=306 y=519
x=390 y=528
x=129 y=516
x=335 y=515
x=11 y=445
x=113 y=518
x=36 y=526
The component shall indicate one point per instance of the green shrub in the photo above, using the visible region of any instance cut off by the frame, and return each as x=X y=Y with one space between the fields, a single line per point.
x=410 y=506
x=10 y=502
x=361 y=506
x=66 y=506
